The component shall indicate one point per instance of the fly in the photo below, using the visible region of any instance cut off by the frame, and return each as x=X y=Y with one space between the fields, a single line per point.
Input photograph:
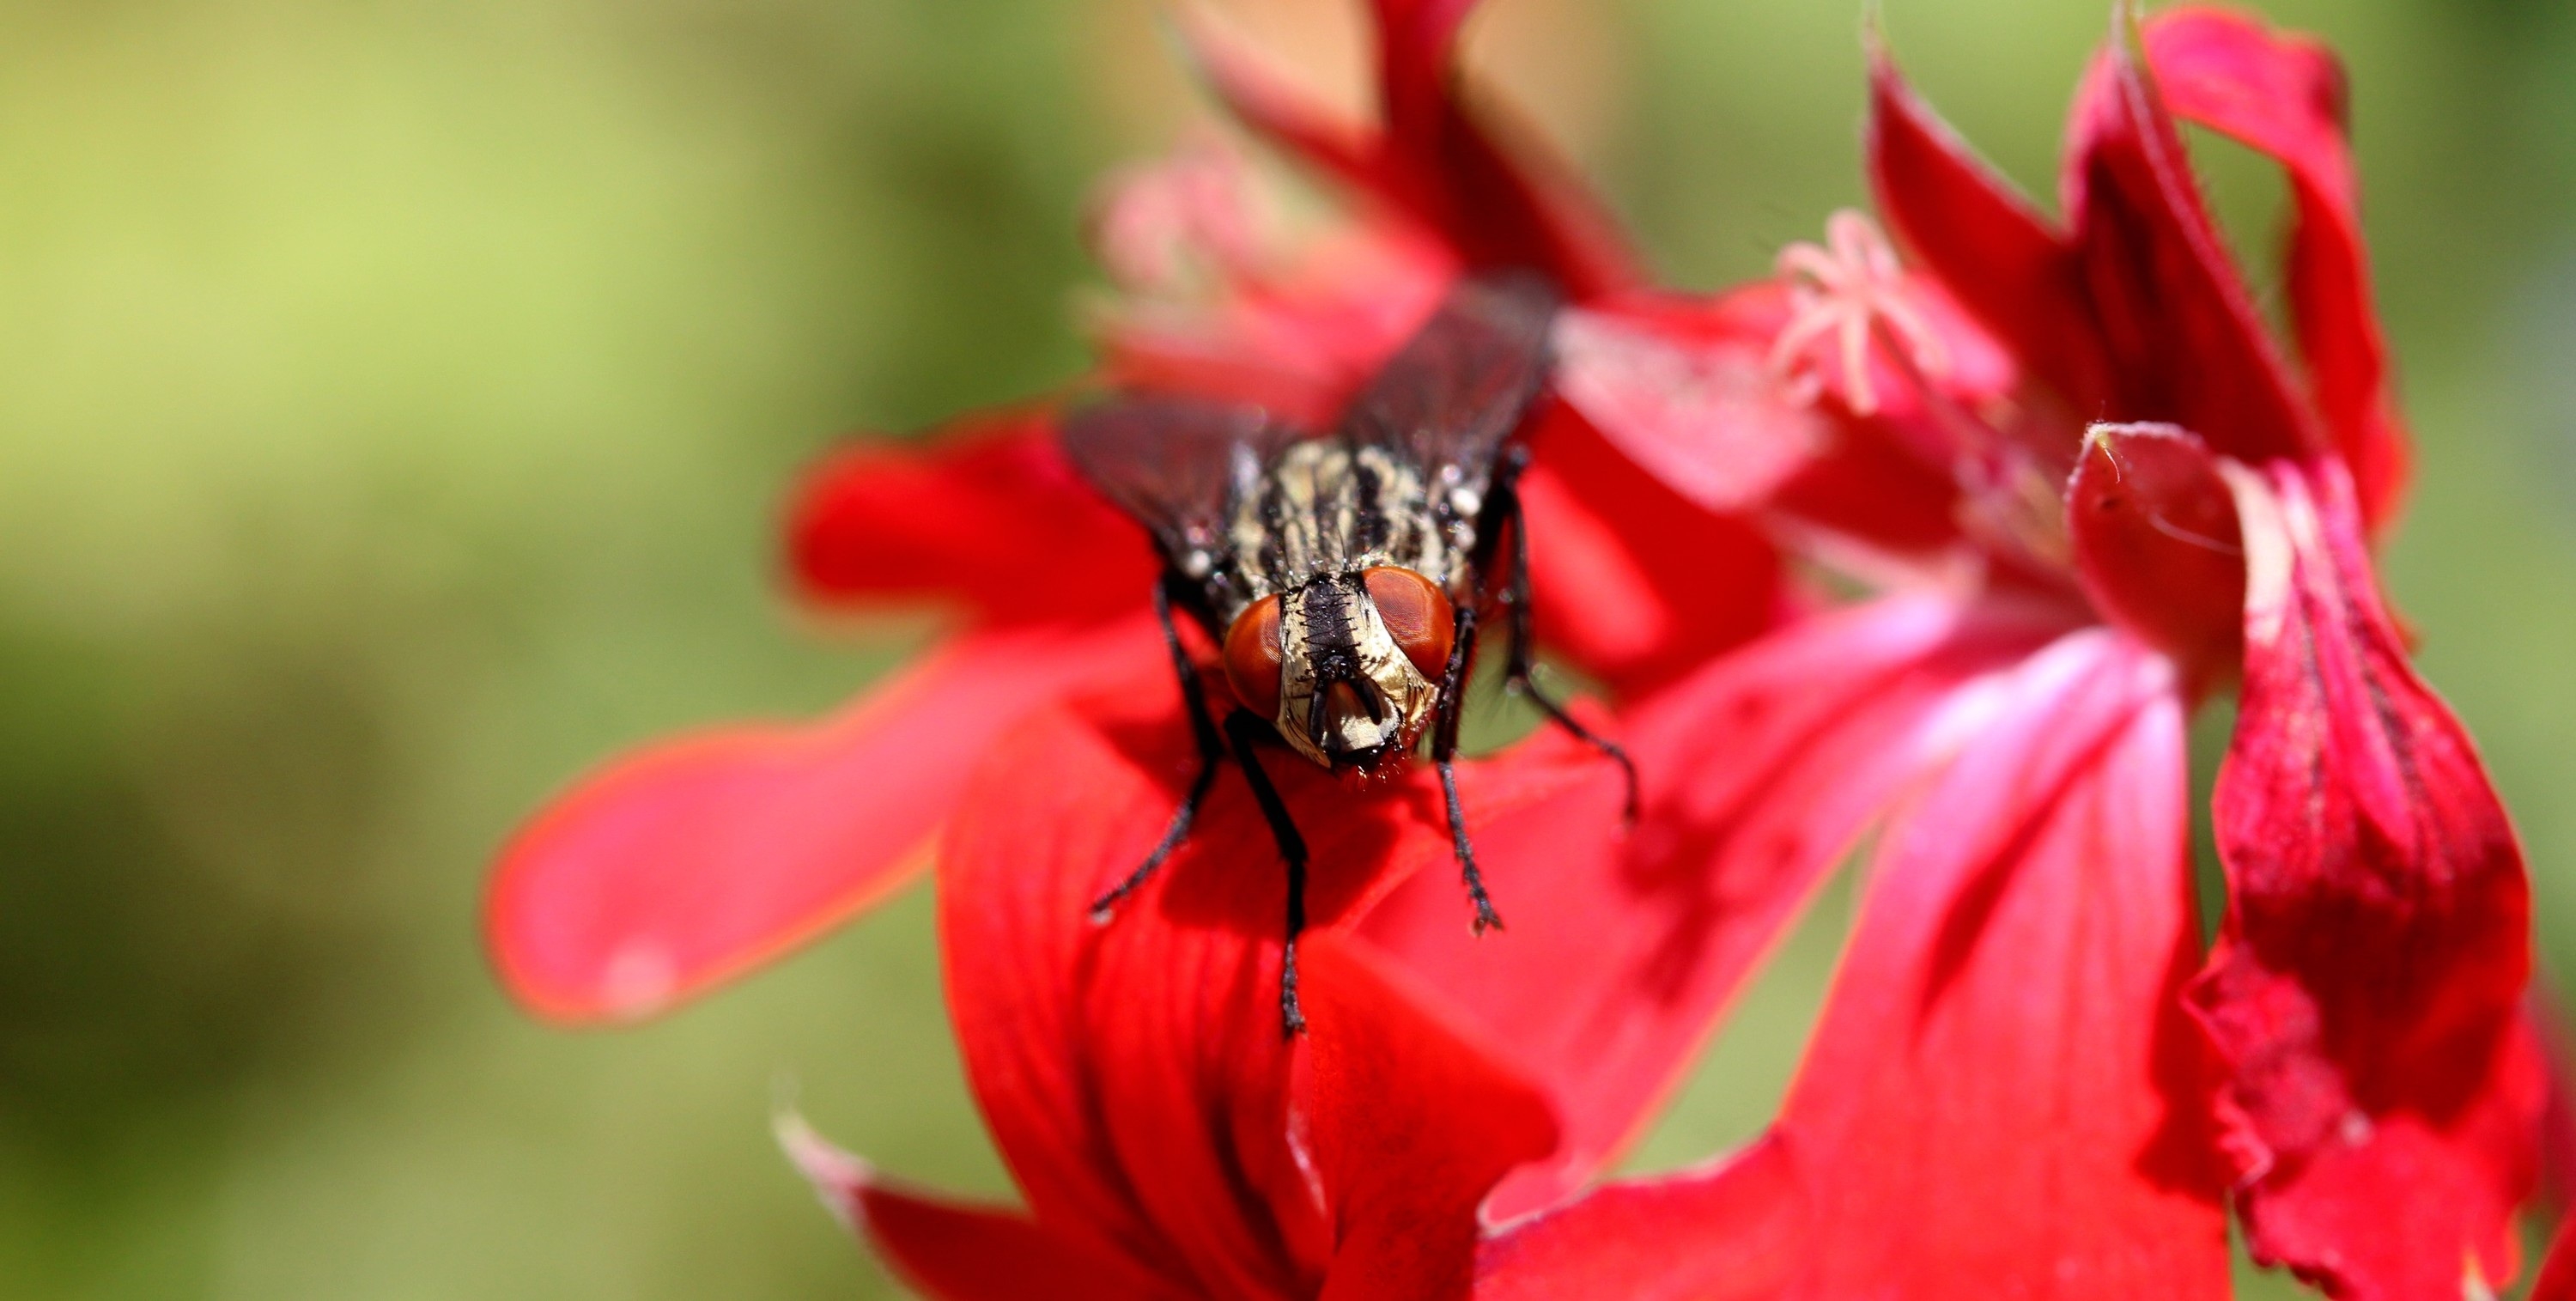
x=1344 y=575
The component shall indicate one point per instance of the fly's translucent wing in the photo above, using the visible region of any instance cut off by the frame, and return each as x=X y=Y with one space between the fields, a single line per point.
x=1460 y=386
x=1176 y=464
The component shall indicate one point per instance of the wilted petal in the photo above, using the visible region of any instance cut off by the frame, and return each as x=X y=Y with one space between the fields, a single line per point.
x=2184 y=336
x=2382 y=1094
x=1134 y=1074
x=989 y=514
x=952 y=1252
x=2156 y=543
x=2285 y=96
x=1411 y=1124
x=683 y=865
x=2000 y=1098
x=1760 y=772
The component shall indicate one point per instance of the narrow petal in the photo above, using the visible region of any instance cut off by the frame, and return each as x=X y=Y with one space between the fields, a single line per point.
x=2186 y=341
x=989 y=514
x=678 y=867
x=1134 y=1074
x=2284 y=95
x=2008 y=266
x=2157 y=545
x=951 y=1252
x=2382 y=1095
x=1760 y=773
x=1411 y=1124
x=2000 y=1098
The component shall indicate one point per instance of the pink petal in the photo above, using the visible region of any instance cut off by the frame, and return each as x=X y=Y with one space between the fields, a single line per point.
x=1411 y=1123
x=681 y=866
x=1999 y=1100
x=989 y=514
x=1761 y=771
x=2157 y=545
x=950 y=1252
x=2382 y=1095
x=1134 y=1074
x=2186 y=342
x=2285 y=96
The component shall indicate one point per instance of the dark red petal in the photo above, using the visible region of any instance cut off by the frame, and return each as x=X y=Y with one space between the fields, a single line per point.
x=2156 y=544
x=2000 y=1100
x=2381 y=1097
x=2185 y=340
x=1760 y=771
x=1411 y=1124
x=1134 y=1074
x=1639 y=1240
x=951 y=1252
x=683 y=865
x=1634 y=584
x=2003 y=261
x=990 y=516
x=2285 y=96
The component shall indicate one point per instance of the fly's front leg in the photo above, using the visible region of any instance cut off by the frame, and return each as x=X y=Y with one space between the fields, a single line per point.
x=1211 y=753
x=1245 y=731
x=1518 y=663
x=1444 y=755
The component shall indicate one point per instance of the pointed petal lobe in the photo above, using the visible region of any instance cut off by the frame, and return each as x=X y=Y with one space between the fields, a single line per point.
x=2157 y=546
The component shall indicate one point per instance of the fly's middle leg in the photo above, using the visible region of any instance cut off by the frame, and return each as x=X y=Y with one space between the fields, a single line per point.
x=1211 y=753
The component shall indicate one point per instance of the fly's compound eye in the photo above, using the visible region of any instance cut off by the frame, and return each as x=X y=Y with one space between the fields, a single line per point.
x=1252 y=657
x=1417 y=614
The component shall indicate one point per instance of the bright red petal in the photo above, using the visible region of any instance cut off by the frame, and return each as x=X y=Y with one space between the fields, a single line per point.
x=681 y=866
x=989 y=515
x=1760 y=772
x=1411 y=1124
x=2285 y=96
x=2157 y=546
x=2000 y=1098
x=1640 y=1240
x=950 y=1252
x=2382 y=1098
x=2186 y=341
x=1135 y=1074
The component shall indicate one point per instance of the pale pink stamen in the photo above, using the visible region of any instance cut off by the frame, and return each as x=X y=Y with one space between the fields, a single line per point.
x=1854 y=290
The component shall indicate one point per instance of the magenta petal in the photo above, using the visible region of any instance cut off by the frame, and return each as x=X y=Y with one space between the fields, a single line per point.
x=1760 y=772
x=2382 y=1095
x=679 y=867
x=950 y=1252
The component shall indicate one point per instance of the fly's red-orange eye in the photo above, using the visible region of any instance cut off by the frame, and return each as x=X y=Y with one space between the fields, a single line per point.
x=1417 y=614
x=1252 y=657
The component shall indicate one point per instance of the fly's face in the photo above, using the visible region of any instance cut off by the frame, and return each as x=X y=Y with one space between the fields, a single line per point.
x=1348 y=666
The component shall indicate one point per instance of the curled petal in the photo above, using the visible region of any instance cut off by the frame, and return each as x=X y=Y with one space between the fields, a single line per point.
x=683 y=865
x=2285 y=96
x=2381 y=1094
x=1760 y=772
x=2157 y=545
x=990 y=513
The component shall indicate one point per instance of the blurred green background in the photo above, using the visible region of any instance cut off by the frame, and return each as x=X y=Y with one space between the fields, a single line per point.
x=394 y=400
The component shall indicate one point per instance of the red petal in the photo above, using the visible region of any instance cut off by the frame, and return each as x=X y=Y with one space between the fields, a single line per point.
x=688 y=863
x=2157 y=546
x=2003 y=261
x=2187 y=343
x=1134 y=1074
x=951 y=1252
x=1412 y=1123
x=1760 y=772
x=2557 y=1280
x=1634 y=584
x=1999 y=1101
x=1636 y=1241
x=2285 y=96
x=2381 y=1100
x=990 y=514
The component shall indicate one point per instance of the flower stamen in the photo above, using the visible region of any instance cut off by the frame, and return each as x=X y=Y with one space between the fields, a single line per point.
x=1853 y=290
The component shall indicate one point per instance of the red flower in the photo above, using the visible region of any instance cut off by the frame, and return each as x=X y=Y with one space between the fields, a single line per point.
x=2029 y=1080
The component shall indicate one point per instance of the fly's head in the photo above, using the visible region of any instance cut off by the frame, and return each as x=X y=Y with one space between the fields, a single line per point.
x=1348 y=666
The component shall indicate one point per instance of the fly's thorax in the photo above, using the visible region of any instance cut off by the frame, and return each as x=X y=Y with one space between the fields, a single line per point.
x=1349 y=696
x=1331 y=507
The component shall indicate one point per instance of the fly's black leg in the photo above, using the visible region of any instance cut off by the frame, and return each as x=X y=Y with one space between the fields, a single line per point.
x=1518 y=663
x=1211 y=753
x=1245 y=731
x=1444 y=755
